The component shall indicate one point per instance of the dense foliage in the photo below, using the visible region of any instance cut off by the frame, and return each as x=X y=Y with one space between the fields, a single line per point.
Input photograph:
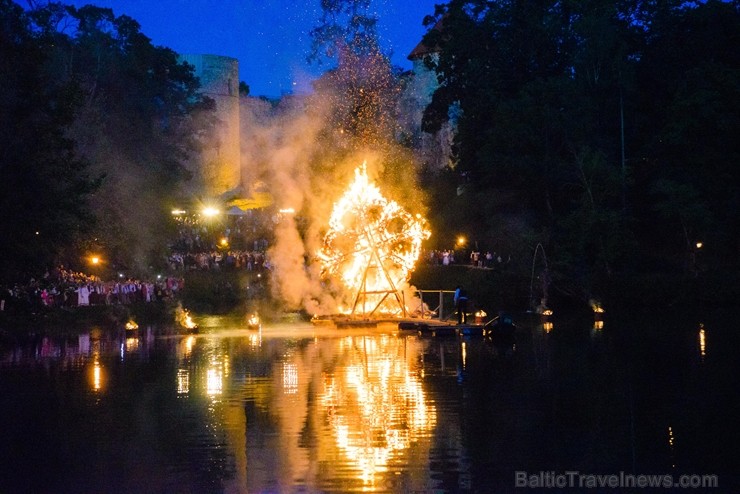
x=604 y=131
x=601 y=133
x=97 y=125
x=44 y=183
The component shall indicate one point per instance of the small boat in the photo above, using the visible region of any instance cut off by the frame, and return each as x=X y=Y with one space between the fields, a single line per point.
x=472 y=330
x=436 y=330
x=356 y=323
x=413 y=326
x=323 y=320
x=444 y=331
x=131 y=327
x=254 y=322
x=501 y=329
x=192 y=329
x=186 y=322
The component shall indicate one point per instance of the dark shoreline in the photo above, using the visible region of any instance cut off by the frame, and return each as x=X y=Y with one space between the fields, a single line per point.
x=20 y=321
x=502 y=290
x=492 y=290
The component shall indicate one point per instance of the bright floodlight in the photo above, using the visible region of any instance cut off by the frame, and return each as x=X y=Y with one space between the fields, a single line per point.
x=209 y=211
x=95 y=260
x=460 y=240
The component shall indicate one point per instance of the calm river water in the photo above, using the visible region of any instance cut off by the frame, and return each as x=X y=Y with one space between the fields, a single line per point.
x=298 y=408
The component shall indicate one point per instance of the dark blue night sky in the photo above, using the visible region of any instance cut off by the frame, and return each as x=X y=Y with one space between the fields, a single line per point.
x=268 y=37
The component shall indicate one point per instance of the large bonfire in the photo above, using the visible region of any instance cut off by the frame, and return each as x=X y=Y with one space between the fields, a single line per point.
x=371 y=248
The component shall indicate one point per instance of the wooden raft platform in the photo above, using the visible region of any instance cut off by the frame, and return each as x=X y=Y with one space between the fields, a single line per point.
x=433 y=327
x=425 y=327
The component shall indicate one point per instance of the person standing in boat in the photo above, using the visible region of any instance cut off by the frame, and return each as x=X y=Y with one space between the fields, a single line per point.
x=461 y=304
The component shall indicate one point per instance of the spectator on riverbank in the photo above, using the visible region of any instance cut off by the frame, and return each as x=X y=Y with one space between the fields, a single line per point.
x=461 y=304
x=207 y=260
x=64 y=288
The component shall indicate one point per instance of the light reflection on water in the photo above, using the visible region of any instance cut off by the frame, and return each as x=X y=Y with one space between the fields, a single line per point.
x=298 y=408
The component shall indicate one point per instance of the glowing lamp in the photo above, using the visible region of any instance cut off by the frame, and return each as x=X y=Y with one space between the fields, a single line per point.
x=699 y=245
x=460 y=240
x=94 y=260
x=209 y=212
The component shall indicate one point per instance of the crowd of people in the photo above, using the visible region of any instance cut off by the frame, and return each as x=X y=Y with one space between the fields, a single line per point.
x=216 y=259
x=489 y=260
x=237 y=243
x=195 y=248
x=66 y=288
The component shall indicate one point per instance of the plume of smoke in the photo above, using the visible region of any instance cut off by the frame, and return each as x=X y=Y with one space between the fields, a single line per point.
x=131 y=225
x=279 y=145
x=305 y=154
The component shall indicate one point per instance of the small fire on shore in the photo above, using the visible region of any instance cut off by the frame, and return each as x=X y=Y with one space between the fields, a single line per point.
x=371 y=248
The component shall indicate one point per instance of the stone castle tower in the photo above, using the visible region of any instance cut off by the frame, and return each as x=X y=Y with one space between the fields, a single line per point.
x=220 y=164
x=435 y=150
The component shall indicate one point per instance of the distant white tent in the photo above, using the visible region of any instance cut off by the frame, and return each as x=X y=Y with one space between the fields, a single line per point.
x=235 y=211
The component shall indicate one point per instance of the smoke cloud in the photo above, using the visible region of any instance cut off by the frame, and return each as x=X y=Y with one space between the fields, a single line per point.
x=302 y=153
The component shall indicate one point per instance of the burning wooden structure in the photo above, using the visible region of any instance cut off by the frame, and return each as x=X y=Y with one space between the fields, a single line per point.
x=371 y=248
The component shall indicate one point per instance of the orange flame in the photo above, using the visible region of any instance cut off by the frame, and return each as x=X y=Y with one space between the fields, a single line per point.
x=183 y=317
x=372 y=244
x=188 y=321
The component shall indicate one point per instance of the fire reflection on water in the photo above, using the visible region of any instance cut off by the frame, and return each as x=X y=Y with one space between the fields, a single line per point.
x=189 y=342
x=97 y=375
x=319 y=410
x=218 y=368
x=290 y=378
x=184 y=353
x=183 y=381
x=361 y=398
x=702 y=341
x=375 y=404
x=132 y=344
x=214 y=381
x=97 y=370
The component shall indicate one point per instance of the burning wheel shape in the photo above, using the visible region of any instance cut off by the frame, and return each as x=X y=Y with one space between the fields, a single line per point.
x=371 y=247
